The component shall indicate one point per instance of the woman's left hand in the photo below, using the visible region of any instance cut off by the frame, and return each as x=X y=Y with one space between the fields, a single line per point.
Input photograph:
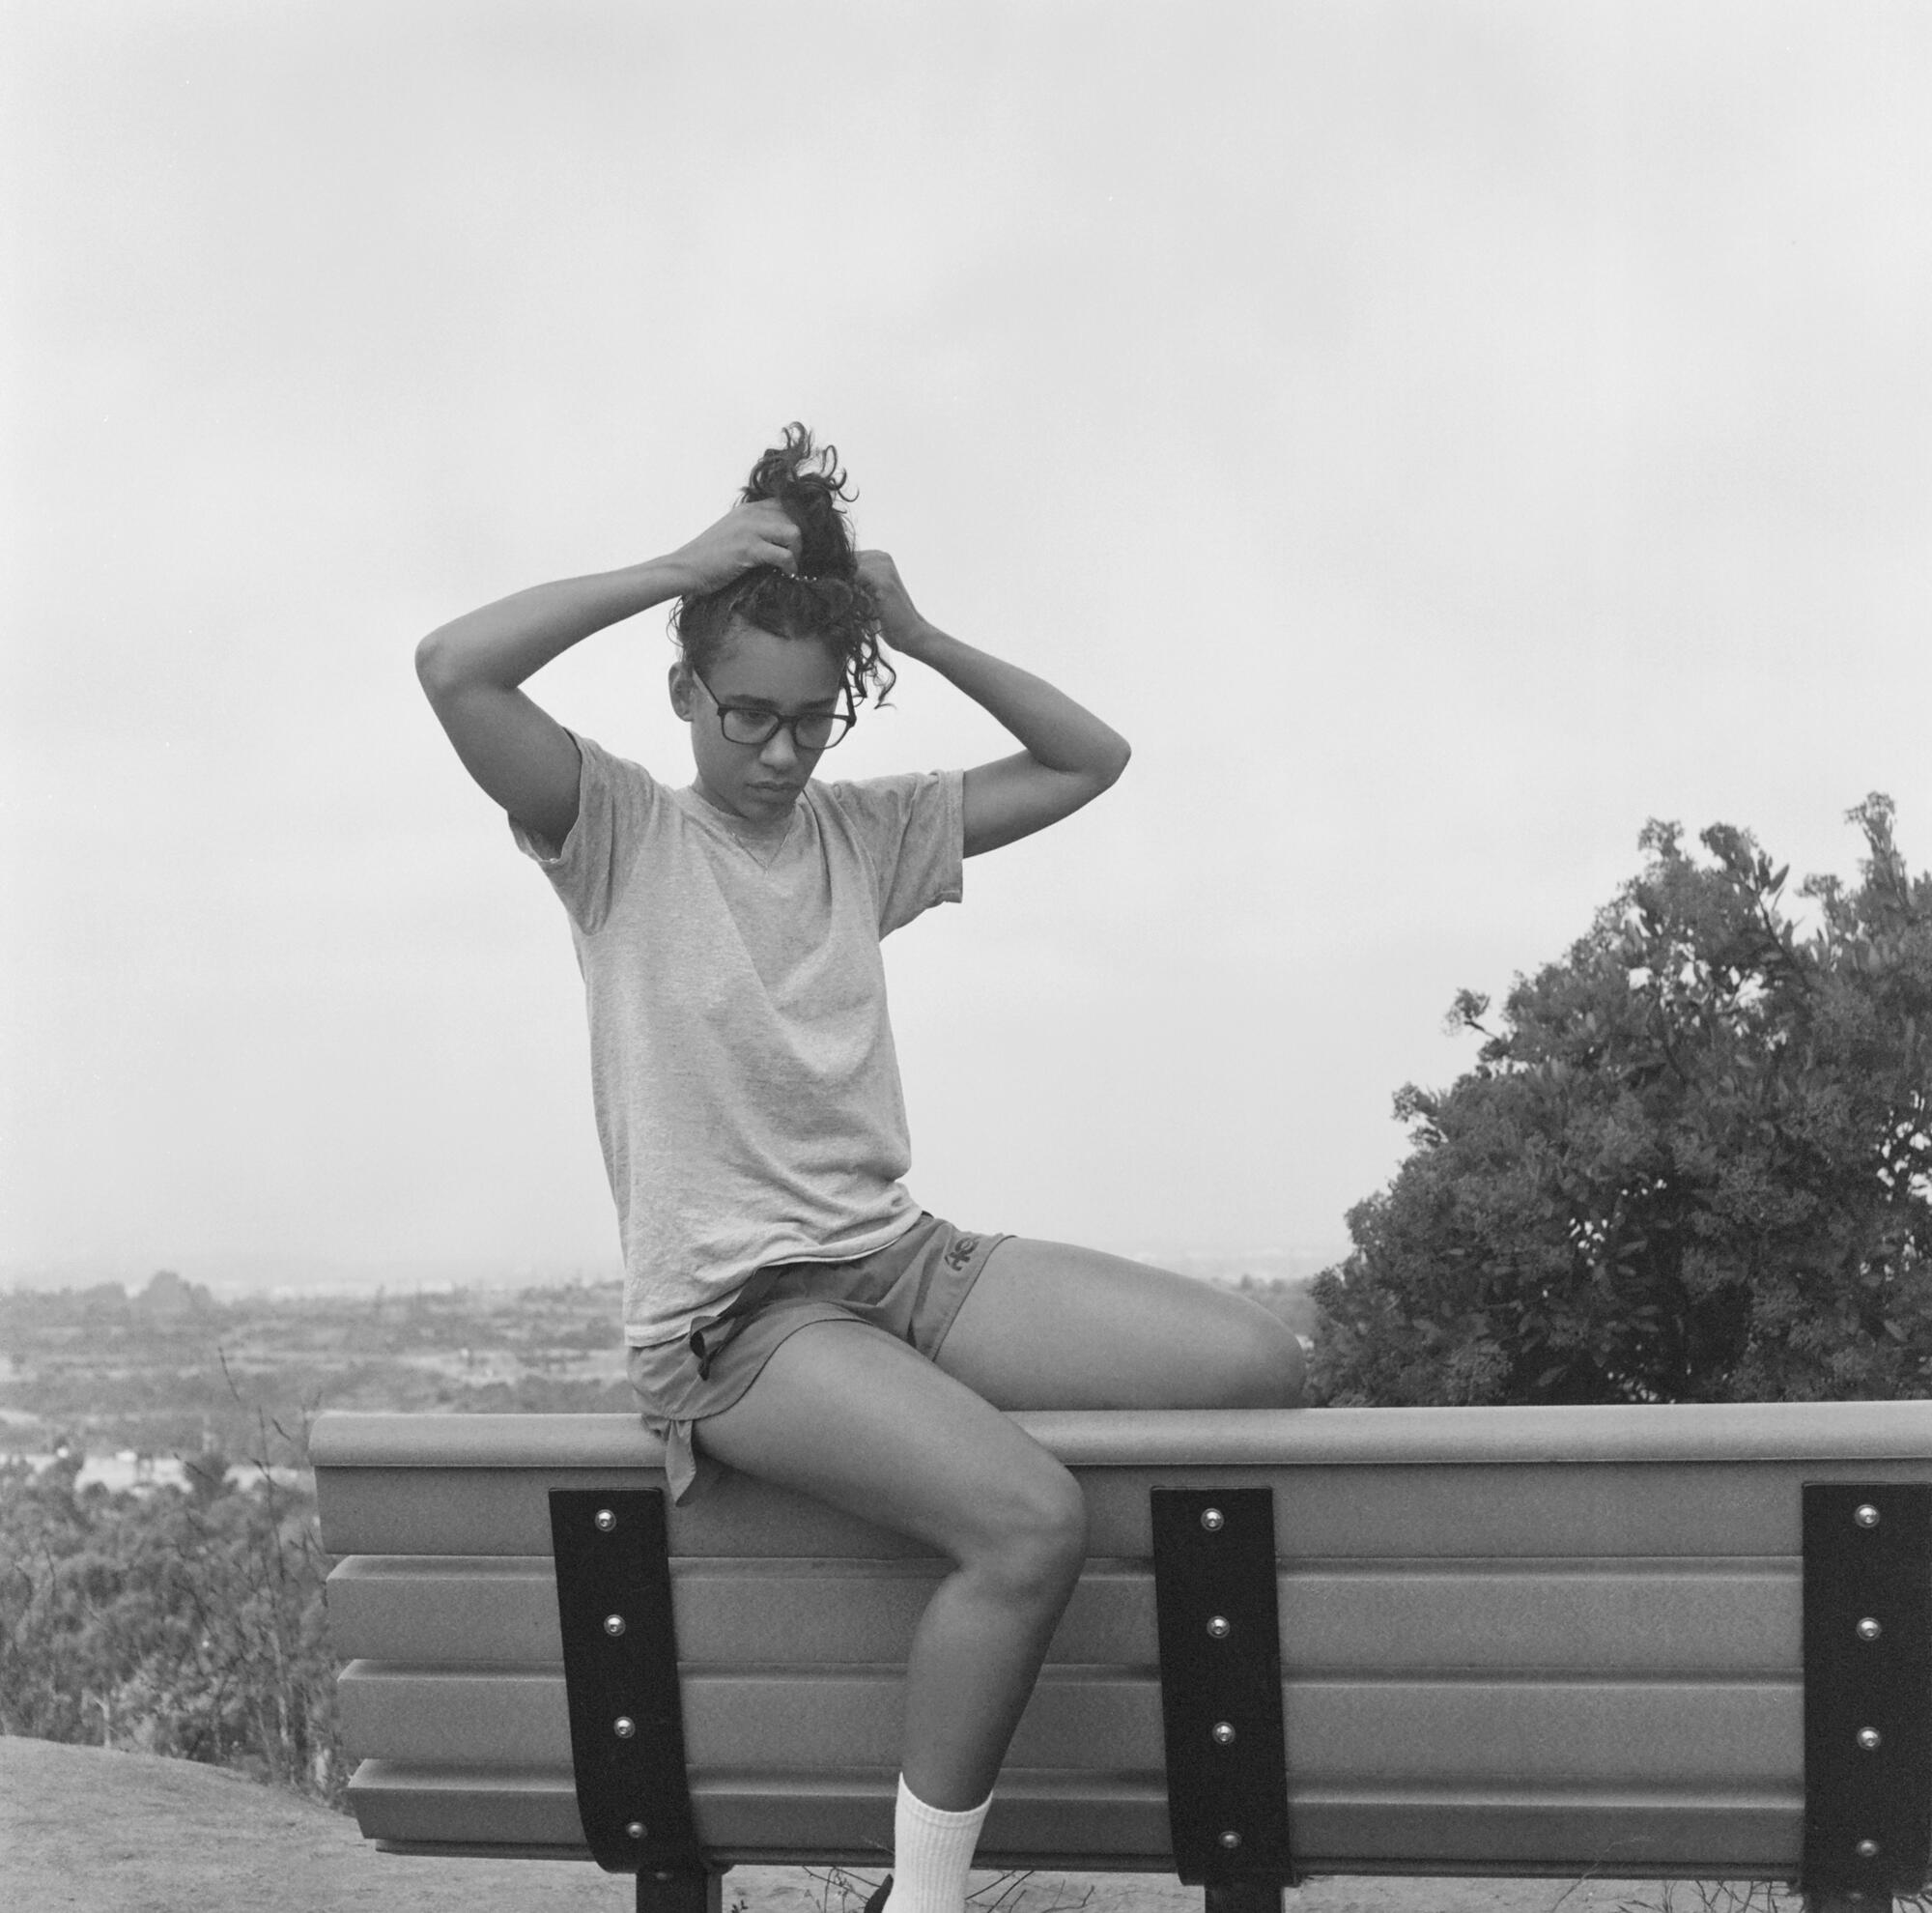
x=899 y=622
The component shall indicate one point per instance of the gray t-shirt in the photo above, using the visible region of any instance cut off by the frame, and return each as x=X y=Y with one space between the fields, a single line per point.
x=745 y=1086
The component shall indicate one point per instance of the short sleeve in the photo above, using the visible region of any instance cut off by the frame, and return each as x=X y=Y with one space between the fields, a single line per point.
x=913 y=828
x=615 y=803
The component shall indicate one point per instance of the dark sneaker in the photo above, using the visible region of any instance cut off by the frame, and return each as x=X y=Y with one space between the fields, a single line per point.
x=880 y=1895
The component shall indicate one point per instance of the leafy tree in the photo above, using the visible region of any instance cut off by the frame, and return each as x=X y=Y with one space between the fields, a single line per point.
x=176 y=1622
x=1693 y=1162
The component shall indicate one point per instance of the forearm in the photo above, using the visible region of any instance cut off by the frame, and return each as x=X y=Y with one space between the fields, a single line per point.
x=502 y=644
x=1054 y=731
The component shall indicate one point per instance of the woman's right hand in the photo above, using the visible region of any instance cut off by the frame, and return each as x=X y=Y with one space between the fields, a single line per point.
x=763 y=532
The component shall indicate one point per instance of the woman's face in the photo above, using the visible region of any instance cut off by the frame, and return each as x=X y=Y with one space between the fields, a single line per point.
x=781 y=676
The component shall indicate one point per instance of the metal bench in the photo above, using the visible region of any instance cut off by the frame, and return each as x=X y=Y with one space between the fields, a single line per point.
x=1669 y=1641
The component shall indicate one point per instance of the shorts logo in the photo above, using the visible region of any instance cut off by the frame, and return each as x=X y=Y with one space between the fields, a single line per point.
x=962 y=1251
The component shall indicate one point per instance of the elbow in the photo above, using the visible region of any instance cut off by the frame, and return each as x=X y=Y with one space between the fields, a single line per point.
x=1102 y=770
x=433 y=667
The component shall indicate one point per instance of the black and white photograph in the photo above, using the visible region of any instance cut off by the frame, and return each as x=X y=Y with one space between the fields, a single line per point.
x=966 y=958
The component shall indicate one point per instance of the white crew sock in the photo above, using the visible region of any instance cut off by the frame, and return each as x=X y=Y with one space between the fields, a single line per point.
x=932 y=1853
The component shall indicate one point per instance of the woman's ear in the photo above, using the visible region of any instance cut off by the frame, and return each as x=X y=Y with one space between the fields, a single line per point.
x=682 y=698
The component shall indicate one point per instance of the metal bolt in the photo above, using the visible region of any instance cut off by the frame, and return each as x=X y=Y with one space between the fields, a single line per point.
x=606 y=1520
x=614 y=1625
x=1868 y=1628
x=1224 y=1734
x=1217 y=1626
x=624 y=1726
x=636 y=1829
x=1867 y=1849
x=1866 y=1515
x=1231 y=1839
x=1213 y=1519
x=1868 y=1739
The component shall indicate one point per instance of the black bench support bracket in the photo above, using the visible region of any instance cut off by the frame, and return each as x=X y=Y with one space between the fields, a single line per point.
x=1220 y=1694
x=1867 y=1693
x=620 y=1673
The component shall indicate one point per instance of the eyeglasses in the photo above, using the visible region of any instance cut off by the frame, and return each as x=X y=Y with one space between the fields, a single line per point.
x=810 y=730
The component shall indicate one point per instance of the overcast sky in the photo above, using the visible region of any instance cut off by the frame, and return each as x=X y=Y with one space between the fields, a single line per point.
x=1441 y=437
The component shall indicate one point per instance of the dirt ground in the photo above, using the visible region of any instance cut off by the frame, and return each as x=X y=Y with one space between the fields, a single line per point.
x=87 y=1831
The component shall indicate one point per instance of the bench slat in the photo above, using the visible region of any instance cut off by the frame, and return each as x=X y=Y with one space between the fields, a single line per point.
x=1803 y=1432
x=1476 y=1730
x=1689 y=1510
x=1650 y=1617
x=1095 y=1823
x=765 y=1816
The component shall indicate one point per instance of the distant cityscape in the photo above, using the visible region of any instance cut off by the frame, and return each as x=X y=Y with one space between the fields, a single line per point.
x=131 y=1376
x=228 y=1274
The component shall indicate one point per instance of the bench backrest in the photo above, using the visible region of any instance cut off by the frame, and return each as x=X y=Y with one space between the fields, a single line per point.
x=1538 y=1641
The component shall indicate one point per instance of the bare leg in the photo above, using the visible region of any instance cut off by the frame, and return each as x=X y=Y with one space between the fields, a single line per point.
x=859 y=1420
x=1048 y=1326
x=849 y=1415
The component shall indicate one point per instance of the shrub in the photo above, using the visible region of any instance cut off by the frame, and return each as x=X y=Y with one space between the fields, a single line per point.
x=1693 y=1162
x=179 y=1622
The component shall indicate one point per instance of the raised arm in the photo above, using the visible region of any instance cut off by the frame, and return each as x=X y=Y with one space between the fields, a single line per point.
x=471 y=667
x=1071 y=756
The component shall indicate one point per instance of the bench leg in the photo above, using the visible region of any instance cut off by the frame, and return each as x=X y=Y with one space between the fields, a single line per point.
x=680 y=1892
x=1243 y=1896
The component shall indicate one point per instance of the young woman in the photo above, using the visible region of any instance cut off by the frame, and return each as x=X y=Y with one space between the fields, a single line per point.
x=790 y=1309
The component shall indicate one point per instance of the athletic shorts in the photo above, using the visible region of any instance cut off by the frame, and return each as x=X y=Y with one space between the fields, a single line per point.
x=912 y=1289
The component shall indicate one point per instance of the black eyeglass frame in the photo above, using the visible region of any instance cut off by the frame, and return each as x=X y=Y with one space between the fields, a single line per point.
x=774 y=722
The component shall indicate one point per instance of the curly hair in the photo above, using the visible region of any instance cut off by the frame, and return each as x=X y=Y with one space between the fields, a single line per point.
x=826 y=599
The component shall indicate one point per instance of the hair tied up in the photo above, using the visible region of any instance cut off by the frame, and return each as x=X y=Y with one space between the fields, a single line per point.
x=807 y=481
x=824 y=599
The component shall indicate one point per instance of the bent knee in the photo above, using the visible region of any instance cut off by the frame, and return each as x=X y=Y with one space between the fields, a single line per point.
x=1259 y=1363
x=1037 y=1536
